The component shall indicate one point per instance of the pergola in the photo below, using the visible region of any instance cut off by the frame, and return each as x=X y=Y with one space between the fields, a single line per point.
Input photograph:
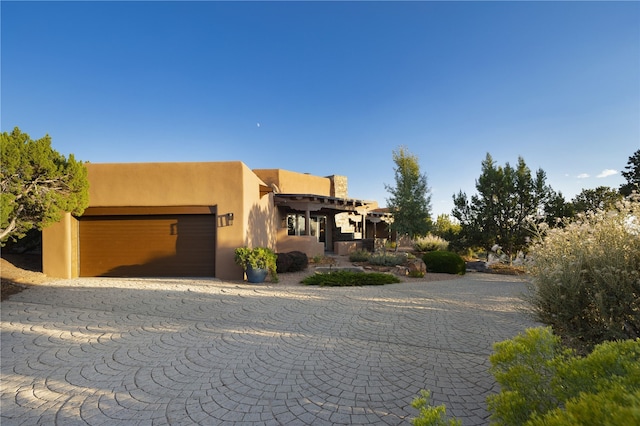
x=307 y=203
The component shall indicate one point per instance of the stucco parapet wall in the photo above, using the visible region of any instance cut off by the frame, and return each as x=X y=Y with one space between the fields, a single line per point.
x=288 y=182
x=152 y=184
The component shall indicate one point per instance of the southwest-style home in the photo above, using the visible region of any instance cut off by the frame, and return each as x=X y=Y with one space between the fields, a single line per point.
x=186 y=219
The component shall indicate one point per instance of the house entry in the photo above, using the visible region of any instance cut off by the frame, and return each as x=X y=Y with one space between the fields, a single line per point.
x=317 y=226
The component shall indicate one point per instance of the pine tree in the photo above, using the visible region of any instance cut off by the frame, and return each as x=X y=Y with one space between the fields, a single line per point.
x=632 y=175
x=500 y=213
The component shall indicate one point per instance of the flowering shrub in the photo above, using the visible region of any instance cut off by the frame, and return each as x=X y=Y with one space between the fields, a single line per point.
x=586 y=275
x=430 y=243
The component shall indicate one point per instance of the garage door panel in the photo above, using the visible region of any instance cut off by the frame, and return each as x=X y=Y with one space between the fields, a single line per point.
x=162 y=245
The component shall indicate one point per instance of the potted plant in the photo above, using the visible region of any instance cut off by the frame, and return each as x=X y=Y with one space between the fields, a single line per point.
x=257 y=263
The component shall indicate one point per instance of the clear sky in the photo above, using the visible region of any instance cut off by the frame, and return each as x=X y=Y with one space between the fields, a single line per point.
x=333 y=87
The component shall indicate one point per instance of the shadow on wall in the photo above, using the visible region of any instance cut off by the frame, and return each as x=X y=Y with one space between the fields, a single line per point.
x=261 y=227
x=181 y=247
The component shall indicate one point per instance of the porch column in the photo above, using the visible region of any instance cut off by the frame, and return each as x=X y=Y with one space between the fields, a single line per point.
x=328 y=233
x=307 y=221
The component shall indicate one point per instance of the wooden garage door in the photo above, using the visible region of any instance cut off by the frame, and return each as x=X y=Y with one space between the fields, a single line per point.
x=147 y=246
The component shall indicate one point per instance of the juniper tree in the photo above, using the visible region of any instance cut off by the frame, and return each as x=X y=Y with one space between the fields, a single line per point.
x=500 y=213
x=38 y=184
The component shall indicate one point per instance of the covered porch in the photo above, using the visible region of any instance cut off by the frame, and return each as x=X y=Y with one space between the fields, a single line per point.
x=315 y=224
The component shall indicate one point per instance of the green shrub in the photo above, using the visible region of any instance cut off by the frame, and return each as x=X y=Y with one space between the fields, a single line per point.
x=349 y=278
x=387 y=259
x=416 y=274
x=444 y=261
x=283 y=263
x=359 y=256
x=292 y=261
x=431 y=415
x=612 y=407
x=586 y=275
x=430 y=243
x=542 y=383
x=299 y=261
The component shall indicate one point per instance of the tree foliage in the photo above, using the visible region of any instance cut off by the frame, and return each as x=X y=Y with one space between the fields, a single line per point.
x=444 y=226
x=557 y=208
x=632 y=175
x=500 y=213
x=410 y=201
x=450 y=230
x=600 y=198
x=38 y=184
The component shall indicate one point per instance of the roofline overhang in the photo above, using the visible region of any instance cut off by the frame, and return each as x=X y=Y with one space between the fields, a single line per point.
x=314 y=202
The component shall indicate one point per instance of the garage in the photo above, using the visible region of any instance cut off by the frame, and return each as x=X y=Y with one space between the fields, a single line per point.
x=153 y=242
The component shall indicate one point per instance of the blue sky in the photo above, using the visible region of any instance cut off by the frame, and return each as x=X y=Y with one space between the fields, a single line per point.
x=333 y=87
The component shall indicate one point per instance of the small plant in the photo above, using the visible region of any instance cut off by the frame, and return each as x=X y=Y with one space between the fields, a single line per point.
x=387 y=259
x=505 y=269
x=349 y=278
x=444 y=262
x=430 y=243
x=431 y=415
x=320 y=259
x=359 y=256
x=257 y=258
x=416 y=274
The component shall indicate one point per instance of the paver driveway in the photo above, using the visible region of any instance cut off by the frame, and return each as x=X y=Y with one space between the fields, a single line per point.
x=163 y=351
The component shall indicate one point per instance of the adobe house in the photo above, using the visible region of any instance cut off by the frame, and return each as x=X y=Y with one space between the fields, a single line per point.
x=186 y=219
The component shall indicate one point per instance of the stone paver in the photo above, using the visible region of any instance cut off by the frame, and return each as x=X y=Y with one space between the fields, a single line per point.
x=183 y=351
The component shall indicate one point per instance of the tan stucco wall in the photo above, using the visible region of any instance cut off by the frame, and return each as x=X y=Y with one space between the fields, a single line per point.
x=259 y=219
x=230 y=186
x=295 y=183
x=304 y=243
x=59 y=248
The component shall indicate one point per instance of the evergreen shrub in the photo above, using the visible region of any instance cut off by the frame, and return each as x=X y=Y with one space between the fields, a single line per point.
x=542 y=383
x=283 y=263
x=299 y=261
x=349 y=278
x=444 y=262
x=292 y=261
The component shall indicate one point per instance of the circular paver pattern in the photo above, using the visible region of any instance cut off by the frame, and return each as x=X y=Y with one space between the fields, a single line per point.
x=184 y=351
